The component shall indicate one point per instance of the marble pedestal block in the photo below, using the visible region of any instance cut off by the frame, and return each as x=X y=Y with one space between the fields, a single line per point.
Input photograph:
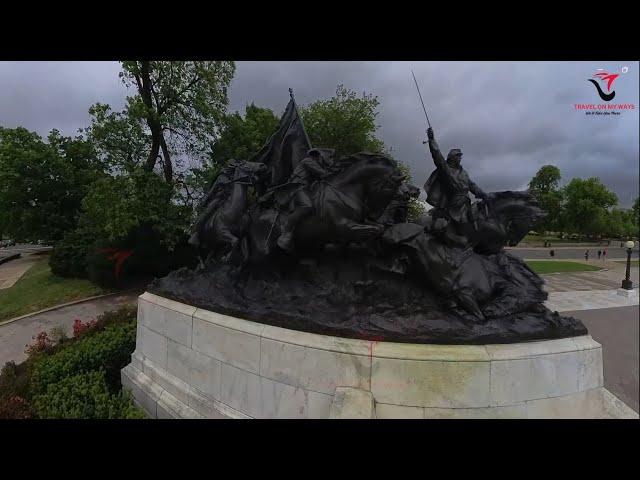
x=194 y=363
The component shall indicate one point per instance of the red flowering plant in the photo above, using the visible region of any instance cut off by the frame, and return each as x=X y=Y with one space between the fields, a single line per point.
x=80 y=328
x=42 y=344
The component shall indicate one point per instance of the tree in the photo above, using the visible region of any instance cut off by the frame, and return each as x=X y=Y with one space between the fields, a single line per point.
x=546 y=179
x=586 y=205
x=119 y=139
x=345 y=122
x=42 y=183
x=182 y=105
x=114 y=206
x=239 y=138
x=544 y=186
x=636 y=211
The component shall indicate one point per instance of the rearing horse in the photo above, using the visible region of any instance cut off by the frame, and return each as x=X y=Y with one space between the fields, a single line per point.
x=344 y=203
x=223 y=221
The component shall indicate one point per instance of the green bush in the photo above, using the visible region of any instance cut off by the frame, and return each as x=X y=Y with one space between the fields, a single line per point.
x=14 y=380
x=85 y=395
x=143 y=254
x=69 y=256
x=109 y=350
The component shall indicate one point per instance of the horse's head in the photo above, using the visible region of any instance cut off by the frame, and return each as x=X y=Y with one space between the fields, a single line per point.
x=249 y=172
x=516 y=213
x=406 y=191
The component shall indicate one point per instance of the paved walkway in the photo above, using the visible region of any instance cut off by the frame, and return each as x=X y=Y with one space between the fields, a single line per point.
x=616 y=329
x=11 y=271
x=14 y=336
x=589 y=300
x=608 y=279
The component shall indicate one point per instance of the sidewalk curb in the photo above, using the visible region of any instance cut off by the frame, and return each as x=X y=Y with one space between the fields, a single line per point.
x=74 y=302
x=9 y=258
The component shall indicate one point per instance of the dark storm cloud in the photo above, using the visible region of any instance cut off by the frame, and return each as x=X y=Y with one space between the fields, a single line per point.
x=510 y=118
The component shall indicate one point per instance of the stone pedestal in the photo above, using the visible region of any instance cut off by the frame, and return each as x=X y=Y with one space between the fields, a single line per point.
x=629 y=293
x=193 y=363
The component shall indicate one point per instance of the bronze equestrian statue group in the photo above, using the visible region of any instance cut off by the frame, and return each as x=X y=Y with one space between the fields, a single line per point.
x=295 y=238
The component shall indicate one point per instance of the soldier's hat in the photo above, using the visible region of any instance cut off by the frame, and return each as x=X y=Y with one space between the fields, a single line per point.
x=453 y=152
x=314 y=152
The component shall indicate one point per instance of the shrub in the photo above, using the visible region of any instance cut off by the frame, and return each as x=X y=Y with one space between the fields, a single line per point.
x=85 y=395
x=69 y=256
x=14 y=380
x=80 y=328
x=109 y=350
x=42 y=344
x=15 y=407
x=142 y=254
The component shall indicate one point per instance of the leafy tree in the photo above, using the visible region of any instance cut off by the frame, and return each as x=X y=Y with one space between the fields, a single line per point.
x=587 y=202
x=545 y=187
x=345 y=122
x=546 y=179
x=42 y=183
x=636 y=211
x=114 y=206
x=119 y=139
x=240 y=137
x=182 y=105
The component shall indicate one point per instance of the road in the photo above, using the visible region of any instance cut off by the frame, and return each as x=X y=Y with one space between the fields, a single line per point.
x=22 y=248
x=616 y=329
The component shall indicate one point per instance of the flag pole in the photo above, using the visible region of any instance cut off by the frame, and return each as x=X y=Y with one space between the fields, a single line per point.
x=295 y=105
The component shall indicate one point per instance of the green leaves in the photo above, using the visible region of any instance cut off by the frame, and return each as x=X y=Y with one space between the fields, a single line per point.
x=345 y=123
x=84 y=396
x=115 y=205
x=42 y=184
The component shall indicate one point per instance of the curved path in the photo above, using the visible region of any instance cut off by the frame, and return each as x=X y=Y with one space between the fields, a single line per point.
x=16 y=335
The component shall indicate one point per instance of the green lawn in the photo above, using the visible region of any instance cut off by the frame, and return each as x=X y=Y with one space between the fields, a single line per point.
x=556 y=266
x=39 y=288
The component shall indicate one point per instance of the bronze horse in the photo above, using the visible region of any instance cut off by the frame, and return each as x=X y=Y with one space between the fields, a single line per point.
x=481 y=279
x=219 y=228
x=345 y=203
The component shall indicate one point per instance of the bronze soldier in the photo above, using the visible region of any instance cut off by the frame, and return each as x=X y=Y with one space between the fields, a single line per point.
x=447 y=190
x=310 y=169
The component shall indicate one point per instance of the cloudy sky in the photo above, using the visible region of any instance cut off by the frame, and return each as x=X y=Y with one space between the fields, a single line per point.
x=509 y=118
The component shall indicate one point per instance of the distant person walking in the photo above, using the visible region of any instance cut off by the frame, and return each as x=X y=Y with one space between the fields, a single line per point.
x=552 y=253
x=586 y=255
x=599 y=254
x=604 y=255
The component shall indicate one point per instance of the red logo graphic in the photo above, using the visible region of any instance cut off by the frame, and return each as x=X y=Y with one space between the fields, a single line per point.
x=119 y=256
x=609 y=77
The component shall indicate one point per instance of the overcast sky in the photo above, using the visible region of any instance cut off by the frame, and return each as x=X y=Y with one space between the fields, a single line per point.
x=509 y=118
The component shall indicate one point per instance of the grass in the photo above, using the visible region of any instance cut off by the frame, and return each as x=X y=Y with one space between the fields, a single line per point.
x=553 y=266
x=39 y=288
x=634 y=263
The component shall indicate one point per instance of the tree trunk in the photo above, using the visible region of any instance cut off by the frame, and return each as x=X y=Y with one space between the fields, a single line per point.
x=168 y=167
x=144 y=87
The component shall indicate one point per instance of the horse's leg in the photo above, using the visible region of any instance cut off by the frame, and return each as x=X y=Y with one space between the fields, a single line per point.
x=358 y=231
x=226 y=237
